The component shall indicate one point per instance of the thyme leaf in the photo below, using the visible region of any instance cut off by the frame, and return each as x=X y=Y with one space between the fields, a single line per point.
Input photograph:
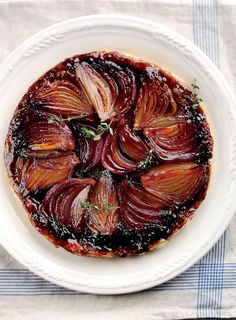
x=106 y=207
x=87 y=205
x=102 y=127
x=196 y=99
x=59 y=119
x=130 y=181
x=87 y=133
x=147 y=161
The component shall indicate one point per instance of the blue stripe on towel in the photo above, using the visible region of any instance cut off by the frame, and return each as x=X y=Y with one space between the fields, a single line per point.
x=211 y=279
x=21 y=282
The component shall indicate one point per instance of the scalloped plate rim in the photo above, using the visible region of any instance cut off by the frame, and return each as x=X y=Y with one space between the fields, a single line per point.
x=205 y=245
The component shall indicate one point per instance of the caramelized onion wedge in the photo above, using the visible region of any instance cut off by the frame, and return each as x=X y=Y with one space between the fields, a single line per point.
x=42 y=173
x=131 y=144
x=40 y=136
x=37 y=137
x=90 y=151
x=112 y=157
x=103 y=216
x=155 y=101
x=174 y=142
x=127 y=87
x=62 y=97
x=139 y=208
x=176 y=182
x=125 y=81
x=110 y=88
x=100 y=92
x=63 y=202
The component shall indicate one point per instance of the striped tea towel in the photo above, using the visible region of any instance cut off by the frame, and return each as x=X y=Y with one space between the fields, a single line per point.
x=206 y=290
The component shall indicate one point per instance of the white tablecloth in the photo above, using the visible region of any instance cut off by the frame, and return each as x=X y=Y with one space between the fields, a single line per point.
x=208 y=289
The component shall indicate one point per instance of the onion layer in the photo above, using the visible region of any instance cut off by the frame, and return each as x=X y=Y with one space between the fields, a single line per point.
x=176 y=182
x=123 y=150
x=100 y=93
x=63 y=202
x=155 y=102
x=62 y=97
x=42 y=139
x=112 y=157
x=42 y=173
x=103 y=215
x=139 y=208
x=174 y=142
x=131 y=144
x=110 y=89
x=90 y=151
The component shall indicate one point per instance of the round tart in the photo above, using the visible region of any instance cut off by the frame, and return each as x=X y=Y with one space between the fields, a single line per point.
x=109 y=154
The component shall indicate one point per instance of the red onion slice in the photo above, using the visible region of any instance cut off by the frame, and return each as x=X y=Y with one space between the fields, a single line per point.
x=112 y=157
x=42 y=173
x=40 y=138
x=174 y=142
x=176 y=182
x=100 y=93
x=131 y=144
x=63 y=202
x=62 y=97
x=103 y=216
x=90 y=151
x=139 y=208
x=155 y=101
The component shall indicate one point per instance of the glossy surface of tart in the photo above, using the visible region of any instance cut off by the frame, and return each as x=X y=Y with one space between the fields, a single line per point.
x=109 y=154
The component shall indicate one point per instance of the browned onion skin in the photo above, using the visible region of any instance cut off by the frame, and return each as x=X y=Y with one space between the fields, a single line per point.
x=102 y=219
x=155 y=101
x=174 y=142
x=63 y=202
x=62 y=97
x=140 y=208
x=34 y=174
x=176 y=182
x=41 y=139
x=123 y=151
x=130 y=188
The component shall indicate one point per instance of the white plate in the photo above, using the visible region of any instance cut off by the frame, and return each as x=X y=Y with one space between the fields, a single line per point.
x=153 y=42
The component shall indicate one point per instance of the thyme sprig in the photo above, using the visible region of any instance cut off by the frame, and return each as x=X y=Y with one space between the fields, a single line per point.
x=147 y=161
x=87 y=133
x=196 y=99
x=87 y=205
x=84 y=204
x=59 y=119
x=106 y=207
x=131 y=181
x=102 y=127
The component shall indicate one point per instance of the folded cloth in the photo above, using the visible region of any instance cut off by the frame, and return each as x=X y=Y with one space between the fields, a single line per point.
x=206 y=290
